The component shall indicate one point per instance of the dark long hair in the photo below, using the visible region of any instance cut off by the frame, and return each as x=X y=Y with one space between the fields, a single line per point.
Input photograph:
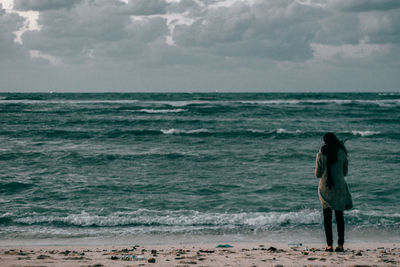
x=330 y=149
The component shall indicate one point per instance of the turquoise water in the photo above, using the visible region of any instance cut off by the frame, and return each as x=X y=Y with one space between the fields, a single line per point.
x=99 y=165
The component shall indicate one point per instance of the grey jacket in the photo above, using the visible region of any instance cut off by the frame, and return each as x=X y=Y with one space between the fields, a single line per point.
x=338 y=196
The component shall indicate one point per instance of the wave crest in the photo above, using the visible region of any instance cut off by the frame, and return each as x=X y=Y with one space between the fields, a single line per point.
x=156 y=111
x=364 y=133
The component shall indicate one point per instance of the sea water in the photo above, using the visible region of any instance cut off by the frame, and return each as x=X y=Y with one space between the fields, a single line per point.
x=162 y=165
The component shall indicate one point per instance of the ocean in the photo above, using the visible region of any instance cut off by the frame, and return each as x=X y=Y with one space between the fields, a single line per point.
x=176 y=166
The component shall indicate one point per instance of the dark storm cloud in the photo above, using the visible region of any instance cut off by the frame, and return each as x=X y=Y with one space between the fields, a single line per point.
x=238 y=44
x=381 y=27
x=9 y=23
x=339 y=28
x=146 y=7
x=280 y=30
x=94 y=27
x=378 y=20
x=40 y=5
x=277 y=30
x=367 y=5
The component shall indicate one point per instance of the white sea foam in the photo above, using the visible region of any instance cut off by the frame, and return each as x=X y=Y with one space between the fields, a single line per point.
x=185 y=218
x=162 y=110
x=364 y=133
x=182 y=103
x=181 y=219
x=64 y=101
x=270 y=102
x=178 y=131
x=284 y=131
x=380 y=102
x=256 y=131
x=146 y=222
x=295 y=101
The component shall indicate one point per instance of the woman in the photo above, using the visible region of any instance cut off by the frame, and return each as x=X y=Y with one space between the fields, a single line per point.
x=331 y=167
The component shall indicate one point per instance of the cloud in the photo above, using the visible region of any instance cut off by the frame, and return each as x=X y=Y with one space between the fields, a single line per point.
x=381 y=27
x=9 y=23
x=82 y=32
x=338 y=29
x=234 y=43
x=348 y=52
x=365 y=5
x=146 y=7
x=275 y=30
x=40 y=5
x=279 y=30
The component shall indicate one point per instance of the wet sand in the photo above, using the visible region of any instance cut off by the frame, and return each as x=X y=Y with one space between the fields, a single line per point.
x=240 y=254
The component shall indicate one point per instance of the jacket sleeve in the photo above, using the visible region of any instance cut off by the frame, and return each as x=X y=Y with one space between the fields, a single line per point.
x=319 y=166
x=345 y=166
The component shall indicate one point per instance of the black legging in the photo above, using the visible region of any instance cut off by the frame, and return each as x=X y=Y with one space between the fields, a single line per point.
x=328 y=226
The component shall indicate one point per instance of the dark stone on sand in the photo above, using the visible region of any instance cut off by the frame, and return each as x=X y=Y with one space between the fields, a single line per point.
x=154 y=251
x=42 y=257
x=24 y=258
x=311 y=259
x=279 y=265
x=188 y=262
x=75 y=258
x=206 y=251
x=304 y=253
x=65 y=252
x=359 y=253
x=151 y=260
x=389 y=261
x=124 y=250
x=358 y=265
x=272 y=249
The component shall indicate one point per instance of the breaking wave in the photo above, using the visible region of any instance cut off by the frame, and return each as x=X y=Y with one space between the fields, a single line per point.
x=162 y=110
x=365 y=133
x=144 y=217
x=182 y=221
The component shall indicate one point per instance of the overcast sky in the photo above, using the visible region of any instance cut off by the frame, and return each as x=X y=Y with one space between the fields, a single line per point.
x=200 y=45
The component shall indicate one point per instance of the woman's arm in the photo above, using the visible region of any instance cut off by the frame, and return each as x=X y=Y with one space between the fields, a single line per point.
x=345 y=166
x=319 y=167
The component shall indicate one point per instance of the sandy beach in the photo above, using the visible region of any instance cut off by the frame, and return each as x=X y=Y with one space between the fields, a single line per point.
x=233 y=254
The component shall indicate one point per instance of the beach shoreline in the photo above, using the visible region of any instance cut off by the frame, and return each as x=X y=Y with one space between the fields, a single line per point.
x=206 y=254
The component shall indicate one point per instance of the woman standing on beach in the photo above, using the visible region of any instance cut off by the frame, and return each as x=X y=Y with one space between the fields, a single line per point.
x=331 y=167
